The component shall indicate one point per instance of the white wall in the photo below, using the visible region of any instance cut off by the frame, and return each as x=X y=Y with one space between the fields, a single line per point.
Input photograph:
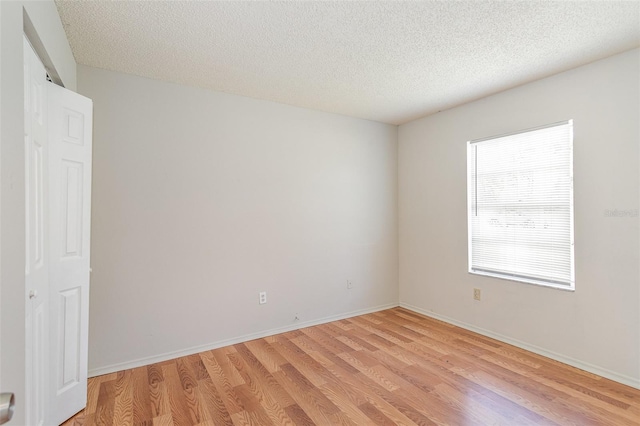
x=44 y=24
x=203 y=199
x=597 y=326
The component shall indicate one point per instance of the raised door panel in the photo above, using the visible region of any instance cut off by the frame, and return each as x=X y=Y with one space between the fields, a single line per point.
x=69 y=319
x=72 y=187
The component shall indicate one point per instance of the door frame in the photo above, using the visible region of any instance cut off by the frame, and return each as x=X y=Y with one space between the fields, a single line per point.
x=12 y=206
x=1 y=389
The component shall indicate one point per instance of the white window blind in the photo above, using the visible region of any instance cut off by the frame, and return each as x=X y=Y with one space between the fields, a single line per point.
x=520 y=189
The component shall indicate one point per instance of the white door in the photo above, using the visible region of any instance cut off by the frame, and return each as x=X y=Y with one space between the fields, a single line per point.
x=69 y=129
x=36 y=262
x=58 y=127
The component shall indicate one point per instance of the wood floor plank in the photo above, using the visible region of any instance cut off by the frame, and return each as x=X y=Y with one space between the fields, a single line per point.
x=327 y=340
x=212 y=400
x=295 y=412
x=197 y=367
x=164 y=420
x=190 y=390
x=336 y=395
x=522 y=397
x=371 y=373
x=392 y=367
x=268 y=383
x=267 y=355
x=254 y=413
x=252 y=372
x=317 y=406
x=142 y=413
x=295 y=356
x=222 y=383
x=311 y=345
x=123 y=405
x=476 y=411
x=349 y=394
x=180 y=408
x=227 y=370
x=511 y=412
x=375 y=416
x=93 y=391
x=600 y=403
x=106 y=403
x=411 y=404
x=158 y=393
x=362 y=386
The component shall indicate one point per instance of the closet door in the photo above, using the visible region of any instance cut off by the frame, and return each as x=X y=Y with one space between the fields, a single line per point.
x=69 y=131
x=36 y=243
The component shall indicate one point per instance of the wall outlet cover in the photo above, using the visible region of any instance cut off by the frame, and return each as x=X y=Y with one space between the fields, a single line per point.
x=477 y=294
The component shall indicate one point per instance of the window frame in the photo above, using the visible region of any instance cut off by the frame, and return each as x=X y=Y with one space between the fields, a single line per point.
x=550 y=283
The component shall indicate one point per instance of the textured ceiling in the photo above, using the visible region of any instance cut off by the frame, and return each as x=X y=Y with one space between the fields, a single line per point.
x=385 y=61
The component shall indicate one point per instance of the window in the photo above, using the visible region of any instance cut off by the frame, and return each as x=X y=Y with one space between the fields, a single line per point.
x=520 y=206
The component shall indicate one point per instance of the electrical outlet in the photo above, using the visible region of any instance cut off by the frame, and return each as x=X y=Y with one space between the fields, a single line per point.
x=263 y=297
x=477 y=294
x=349 y=285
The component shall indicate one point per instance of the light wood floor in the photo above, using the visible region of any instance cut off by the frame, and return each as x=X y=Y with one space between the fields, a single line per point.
x=386 y=368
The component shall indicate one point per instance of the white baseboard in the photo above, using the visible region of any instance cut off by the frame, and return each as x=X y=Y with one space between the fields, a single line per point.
x=620 y=378
x=247 y=337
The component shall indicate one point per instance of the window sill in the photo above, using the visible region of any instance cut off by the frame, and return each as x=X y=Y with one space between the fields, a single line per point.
x=513 y=278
